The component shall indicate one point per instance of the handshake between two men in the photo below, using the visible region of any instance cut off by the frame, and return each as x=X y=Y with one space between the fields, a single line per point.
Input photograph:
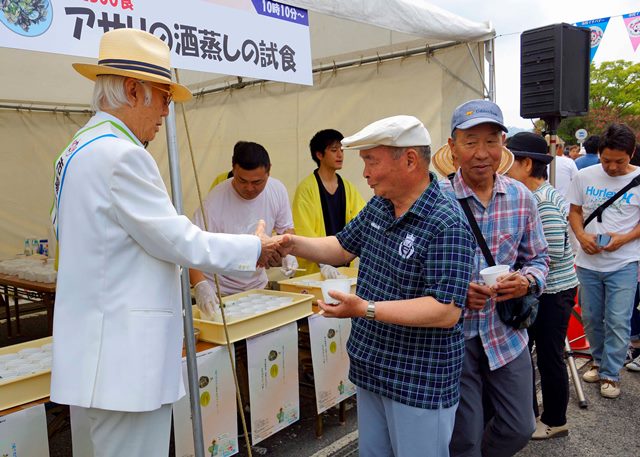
x=276 y=251
x=279 y=251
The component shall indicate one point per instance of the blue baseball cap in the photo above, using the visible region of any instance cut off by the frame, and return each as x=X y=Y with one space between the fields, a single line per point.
x=476 y=112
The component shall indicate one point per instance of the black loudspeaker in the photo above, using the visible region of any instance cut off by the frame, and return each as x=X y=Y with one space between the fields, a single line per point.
x=554 y=71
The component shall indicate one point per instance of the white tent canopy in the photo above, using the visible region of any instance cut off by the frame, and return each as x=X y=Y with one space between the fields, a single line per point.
x=425 y=62
x=409 y=16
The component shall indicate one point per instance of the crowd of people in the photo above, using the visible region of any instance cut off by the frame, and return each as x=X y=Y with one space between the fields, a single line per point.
x=440 y=355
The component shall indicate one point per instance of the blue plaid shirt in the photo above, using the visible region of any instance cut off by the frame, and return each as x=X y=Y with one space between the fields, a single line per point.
x=513 y=231
x=428 y=251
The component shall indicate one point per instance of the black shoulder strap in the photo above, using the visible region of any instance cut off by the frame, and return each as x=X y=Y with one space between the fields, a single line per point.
x=474 y=227
x=600 y=209
x=476 y=231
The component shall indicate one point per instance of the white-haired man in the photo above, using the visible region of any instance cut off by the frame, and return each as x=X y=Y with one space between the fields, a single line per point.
x=118 y=323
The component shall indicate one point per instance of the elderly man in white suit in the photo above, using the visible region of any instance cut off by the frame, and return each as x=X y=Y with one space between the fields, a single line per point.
x=118 y=323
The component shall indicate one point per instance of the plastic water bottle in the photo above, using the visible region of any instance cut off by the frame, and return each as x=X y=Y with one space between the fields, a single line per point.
x=35 y=244
x=27 y=246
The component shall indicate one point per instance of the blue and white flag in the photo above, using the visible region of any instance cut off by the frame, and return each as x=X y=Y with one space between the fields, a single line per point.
x=597 y=26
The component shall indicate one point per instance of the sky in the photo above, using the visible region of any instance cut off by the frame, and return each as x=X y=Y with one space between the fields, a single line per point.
x=511 y=17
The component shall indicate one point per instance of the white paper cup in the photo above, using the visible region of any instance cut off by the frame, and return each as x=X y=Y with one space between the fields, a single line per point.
x=8 y=374
x=38 y=356
x=16 y=363
x=341 y=285
x=28 y=369
x=6 y=357
x=28 y=351
x=490 y=274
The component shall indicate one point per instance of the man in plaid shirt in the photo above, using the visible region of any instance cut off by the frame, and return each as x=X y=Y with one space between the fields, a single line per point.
x=416 y=256
x=497 y=361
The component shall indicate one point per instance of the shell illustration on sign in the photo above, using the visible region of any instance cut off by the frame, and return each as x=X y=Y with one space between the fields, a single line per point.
x=205 y=398
x=406 y=249
x=273 y=371
x=26 y=17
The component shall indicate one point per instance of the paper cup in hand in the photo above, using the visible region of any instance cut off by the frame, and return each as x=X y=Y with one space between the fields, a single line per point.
x=490 y=274
x=341 y=285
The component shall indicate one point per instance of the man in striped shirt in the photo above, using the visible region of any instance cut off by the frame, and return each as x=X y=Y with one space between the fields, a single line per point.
x=549 y=330
x=497 y=362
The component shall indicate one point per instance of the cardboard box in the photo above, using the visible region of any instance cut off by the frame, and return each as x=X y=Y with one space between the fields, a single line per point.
x=245 y=327
x=297 y=284
x=26 y=388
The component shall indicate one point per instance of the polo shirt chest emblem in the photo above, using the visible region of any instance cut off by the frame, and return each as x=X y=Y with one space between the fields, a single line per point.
x=406 y=249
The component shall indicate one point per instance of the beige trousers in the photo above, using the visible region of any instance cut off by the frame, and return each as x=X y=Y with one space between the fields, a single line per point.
x=102 y=433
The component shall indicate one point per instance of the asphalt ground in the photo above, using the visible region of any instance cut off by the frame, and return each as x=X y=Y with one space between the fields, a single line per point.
x=606 y=428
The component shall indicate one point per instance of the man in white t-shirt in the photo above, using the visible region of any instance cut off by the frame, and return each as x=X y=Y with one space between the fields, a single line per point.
x=234 y=206
x=565 y=170
x=607 y=268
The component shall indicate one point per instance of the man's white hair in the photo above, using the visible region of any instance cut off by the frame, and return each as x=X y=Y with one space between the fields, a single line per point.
x=109 y=93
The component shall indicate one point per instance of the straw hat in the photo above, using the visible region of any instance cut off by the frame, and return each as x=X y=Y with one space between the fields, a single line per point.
x=442 y=161
x=135 y=54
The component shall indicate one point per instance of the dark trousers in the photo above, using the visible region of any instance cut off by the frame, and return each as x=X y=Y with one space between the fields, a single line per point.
x=508 y=391
x=635 y=316
x=548 y=332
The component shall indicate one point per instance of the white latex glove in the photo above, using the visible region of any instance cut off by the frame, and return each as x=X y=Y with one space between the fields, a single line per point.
x=330 y=272
x=206 y=299
x=289 y=265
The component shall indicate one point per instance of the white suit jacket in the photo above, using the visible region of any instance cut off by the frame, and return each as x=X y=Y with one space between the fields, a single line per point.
x=117 y=331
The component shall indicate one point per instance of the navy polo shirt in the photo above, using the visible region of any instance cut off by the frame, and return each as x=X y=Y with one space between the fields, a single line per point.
x=428 y=251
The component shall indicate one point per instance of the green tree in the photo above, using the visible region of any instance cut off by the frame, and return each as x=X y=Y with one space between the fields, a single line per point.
x=614 y=97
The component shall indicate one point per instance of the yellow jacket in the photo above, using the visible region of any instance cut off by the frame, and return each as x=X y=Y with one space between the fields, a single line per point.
x=307 y=213
x=220 y=178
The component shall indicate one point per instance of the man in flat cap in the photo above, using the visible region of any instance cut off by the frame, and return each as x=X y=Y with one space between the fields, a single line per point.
x=117 y=328
x=497 y=361
x=416 y=254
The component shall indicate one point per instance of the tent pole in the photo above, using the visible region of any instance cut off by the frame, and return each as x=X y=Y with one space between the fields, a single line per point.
x=192 y=368
x=478 y=69
x=490 y=49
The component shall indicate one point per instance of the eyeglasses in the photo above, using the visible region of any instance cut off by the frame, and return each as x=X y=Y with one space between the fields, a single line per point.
x=168 y=98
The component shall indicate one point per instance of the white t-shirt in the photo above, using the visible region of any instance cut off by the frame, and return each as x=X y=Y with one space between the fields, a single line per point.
x=590 y=188
x=228 y=212
x=566 y=169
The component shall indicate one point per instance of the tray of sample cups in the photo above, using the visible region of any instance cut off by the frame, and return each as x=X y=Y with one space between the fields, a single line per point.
x=312 y=284
x=25 y=372
x=251 y=313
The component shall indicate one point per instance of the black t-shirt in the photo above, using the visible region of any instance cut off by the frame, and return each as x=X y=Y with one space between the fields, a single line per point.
x=334 y=207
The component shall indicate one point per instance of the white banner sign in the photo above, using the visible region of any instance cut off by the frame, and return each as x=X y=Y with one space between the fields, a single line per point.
x=218 y=405
x=254 y=38
x=273 y=381
x=330 y=360
x=24 y=433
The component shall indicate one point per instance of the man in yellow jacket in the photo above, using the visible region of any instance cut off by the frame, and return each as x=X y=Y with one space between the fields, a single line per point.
x=324 y=202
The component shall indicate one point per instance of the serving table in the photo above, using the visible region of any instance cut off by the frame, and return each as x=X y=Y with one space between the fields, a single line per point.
x=22 y=289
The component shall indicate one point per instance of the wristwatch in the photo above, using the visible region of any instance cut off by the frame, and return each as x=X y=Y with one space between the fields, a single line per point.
x=533 y=285
x=371 y=311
